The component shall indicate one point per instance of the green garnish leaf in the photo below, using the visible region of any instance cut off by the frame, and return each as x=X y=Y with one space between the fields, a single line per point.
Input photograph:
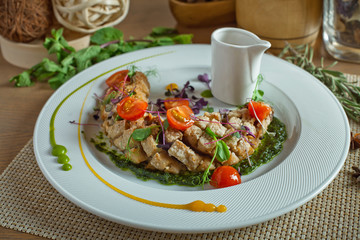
x=223 y=152
x=236 y=134
x=208 y=109
x=132 y=70
x=106 y=35
x=210 y=133
x=258 y=94
x=141 y=134
x=207 y=94
x=183 y=39
x=109 y=97
x=22 y=80
x=163 y=31
x=166 y=124
x=83 y=58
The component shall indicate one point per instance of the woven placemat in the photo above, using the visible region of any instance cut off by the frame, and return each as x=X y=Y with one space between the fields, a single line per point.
x=28 y=203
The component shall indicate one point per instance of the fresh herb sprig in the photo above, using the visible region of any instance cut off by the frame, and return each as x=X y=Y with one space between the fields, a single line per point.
x=105 y=43
x=346 y=92
x=221 y=153
x=257 y=93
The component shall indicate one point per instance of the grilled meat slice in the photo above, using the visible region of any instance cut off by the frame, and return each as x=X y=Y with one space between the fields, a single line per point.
x=185 y=154
x=149 y=146
x=136 y=155
x=171 y=135
x=163 y=162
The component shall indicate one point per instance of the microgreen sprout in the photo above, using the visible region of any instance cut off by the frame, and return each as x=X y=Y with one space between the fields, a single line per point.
x=84 y=124
x=205 y=79
x=257 y=93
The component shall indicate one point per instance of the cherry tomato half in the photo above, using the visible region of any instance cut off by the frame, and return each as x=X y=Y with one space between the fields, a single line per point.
x=225 y=176
x=179 y=117
x=131 y=108
x=173 y=102
x=261 y=109
x=117 y=78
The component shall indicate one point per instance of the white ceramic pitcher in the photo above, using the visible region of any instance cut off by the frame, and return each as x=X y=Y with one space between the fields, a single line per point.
x=235 y=66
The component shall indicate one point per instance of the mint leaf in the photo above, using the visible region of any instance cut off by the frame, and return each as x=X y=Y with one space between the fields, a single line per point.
x=108 y=42
x=183 y=39
x=51 y=66
x=58 y=45
x=105 y=35
x=163 y=31
x=84 y=57
x=22 y=80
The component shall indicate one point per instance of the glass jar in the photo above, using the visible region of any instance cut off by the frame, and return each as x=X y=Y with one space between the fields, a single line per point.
x=341 y=29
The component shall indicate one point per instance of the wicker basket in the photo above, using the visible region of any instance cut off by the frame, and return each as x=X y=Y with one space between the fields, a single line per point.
x=87 y=16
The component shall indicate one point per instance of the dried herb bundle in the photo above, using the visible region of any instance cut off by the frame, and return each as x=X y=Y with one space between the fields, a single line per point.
x=346 y=92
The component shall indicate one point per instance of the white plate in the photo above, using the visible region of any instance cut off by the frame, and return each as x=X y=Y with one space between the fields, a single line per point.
x=317 y=145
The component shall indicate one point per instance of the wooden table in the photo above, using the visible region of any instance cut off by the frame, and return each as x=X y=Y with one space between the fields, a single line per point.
x=20 y=106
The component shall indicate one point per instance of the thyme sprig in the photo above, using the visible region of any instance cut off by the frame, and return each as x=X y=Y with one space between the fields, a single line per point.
x=348 y=93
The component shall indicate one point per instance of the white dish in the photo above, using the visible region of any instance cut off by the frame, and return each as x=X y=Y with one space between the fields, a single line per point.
x=317 y=146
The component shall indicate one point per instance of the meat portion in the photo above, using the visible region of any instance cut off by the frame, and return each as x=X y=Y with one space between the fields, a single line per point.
x=136 y=155
x=171 y=135
x=150 y=146
x=190 y=150
x=185 y=154
x=163 y=162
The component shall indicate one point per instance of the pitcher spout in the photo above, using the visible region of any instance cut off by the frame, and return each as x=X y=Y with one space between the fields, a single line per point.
x=261 y=46
x=255 y=53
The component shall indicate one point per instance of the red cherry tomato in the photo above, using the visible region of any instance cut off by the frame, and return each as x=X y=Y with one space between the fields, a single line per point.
x=179 y=117
x=225 y=176
x=261 y=109
x=117 y=78
x=131 y=108
x=173 y=102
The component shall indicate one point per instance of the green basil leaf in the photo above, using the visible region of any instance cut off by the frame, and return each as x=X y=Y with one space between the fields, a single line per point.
x=207 y=94
x=223 y=152
x=210 y=132
x=141 y=134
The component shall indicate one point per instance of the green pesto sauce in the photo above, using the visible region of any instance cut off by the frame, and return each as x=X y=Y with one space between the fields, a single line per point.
x=270 y=147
